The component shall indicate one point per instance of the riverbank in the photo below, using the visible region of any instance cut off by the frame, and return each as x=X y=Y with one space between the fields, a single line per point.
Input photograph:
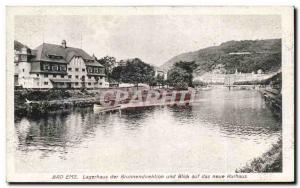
x=43 y=101
x=271 y=161
x=39 y=102
x=273 y=100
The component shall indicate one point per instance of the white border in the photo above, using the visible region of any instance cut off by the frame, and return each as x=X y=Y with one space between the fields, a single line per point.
x=287 y=68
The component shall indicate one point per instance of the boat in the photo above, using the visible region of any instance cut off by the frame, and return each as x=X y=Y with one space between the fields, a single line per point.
x=98 y=107
x=101 y=108
x=204 y=88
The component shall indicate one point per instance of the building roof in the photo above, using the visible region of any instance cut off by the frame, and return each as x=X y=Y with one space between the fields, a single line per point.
x=61 y=55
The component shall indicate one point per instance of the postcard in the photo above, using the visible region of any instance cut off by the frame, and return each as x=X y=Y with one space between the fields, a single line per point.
x=150 y=94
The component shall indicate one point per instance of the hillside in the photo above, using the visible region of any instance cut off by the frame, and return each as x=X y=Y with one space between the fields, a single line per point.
x=246 y=56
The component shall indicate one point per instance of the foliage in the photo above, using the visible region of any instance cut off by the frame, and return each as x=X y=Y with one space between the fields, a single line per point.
x=270 y=161
x=178 y=78
x=109 y=63
x=264 y=54
x=275 y=80
x=189 y=66
x=134 y=71
x=38 y=95
x=116 y=73
x=181 y=75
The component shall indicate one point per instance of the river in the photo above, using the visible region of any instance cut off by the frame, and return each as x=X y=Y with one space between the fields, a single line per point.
x=221 y=133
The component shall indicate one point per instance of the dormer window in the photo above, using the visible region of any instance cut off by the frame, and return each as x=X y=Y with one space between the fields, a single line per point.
x=90 y=70
x=62 y=68
x=53 y=56
x=89 y=60
x=54 y=68
x=46 y=67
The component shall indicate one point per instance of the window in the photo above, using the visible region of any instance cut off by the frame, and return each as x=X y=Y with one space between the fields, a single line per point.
x=76 y=83
x=54 y=76
x=83 y=70
x=89 y=83
x=62 y=76
x=46 y=75
x=45 y=67
x=100 y=83
x=54 y=68
x=54 y=56
x=90 y=69
x=23 y=70
x=45 y=83
x=38 y=75
x=61 y=83
x=96 y=70
x=76 y=69
x=63 y=68
x=70 y=69
x=76 y=77
x=89 y=77
x=23 y=57
x=70 y=76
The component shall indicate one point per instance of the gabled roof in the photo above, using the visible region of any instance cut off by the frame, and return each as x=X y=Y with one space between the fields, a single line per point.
x=43 y=51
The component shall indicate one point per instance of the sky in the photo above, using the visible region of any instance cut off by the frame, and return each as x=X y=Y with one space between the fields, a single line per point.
x=153 y=38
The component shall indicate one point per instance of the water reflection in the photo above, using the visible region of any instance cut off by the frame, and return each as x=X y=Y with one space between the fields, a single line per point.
x=167 y=139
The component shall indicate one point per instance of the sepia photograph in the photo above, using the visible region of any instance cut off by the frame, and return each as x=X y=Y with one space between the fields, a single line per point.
x=150 y=94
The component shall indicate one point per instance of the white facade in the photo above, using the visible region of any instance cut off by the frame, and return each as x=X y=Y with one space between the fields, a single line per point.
x=78 y=74
x=74 y=73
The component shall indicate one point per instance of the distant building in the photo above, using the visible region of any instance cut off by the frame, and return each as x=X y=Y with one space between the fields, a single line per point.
x=239 y=53
x=162 y=73
x=57 y=66
x=259 y=71
x=212 y=78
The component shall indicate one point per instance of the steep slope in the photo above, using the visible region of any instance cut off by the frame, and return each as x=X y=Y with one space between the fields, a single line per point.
x=246 y=56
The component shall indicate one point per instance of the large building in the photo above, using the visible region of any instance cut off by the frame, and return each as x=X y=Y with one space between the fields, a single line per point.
x=57 y=66
x=222 y=78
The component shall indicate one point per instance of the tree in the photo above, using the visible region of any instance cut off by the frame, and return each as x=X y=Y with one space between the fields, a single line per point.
x=178 y=78
x=189 y=66
x=136 y=71
x=109 y=63
x=181 y=74
x=116 y=73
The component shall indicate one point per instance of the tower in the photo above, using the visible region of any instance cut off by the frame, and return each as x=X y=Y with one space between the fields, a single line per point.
x=64 y=43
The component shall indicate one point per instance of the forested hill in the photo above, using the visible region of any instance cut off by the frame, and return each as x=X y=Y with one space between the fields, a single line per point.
x=245 y=56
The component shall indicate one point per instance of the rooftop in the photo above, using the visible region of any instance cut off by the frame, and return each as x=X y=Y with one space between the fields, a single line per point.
x=61 y=54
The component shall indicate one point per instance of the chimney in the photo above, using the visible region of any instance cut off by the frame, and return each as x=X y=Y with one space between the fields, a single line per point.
x=64 y=43
x=94 y=57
